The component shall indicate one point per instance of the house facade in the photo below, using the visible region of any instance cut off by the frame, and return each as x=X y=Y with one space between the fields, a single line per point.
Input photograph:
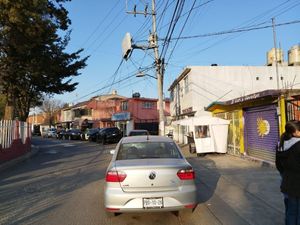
x=103 y=107
x=111 y=110
x=198 y=86
x=257 y=120
x=139 y=113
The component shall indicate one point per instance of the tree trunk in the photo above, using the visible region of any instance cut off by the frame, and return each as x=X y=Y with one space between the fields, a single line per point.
x=9 y=112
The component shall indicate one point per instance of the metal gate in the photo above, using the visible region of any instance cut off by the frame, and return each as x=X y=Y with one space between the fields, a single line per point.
x=293 y=110
x=234 y=134
x=151 y=127
x=261 y=132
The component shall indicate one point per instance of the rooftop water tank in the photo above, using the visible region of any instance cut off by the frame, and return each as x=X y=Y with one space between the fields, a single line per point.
x=294 y=55
x=271 y=56
x=136 y=95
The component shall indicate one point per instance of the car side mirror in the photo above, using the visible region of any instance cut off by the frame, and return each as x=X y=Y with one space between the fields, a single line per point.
x=112 y=152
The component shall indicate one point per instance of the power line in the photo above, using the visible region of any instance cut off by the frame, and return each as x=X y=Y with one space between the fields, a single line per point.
x=105 y=29
x=182 y=30
x=170 y=26
x=100 y=23
x=109 y=34
x=184 y=14
x=104 y=87
x=130 y=75
x=175 y=18
x=251 y=21
x=235 y=31
x=285 y=10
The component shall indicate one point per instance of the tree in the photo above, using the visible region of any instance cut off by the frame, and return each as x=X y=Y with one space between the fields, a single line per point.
x=33 y=57
x=2 y=106
x=50 y=107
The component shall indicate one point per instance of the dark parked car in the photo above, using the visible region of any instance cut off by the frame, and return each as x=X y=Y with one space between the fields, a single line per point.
x=73 y=134
x=138 y=133
x=91 y=134
x=60 y=134
x=109 y=134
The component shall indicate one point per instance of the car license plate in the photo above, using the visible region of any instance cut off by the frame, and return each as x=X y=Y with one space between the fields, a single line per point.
x=153 y=203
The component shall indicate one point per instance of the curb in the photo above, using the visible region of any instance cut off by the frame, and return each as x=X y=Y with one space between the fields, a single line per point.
x=263 y=163
x=13 y=162
x=260 y=162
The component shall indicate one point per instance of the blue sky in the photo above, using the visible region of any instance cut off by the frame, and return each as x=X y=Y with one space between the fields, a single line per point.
x=99 y=27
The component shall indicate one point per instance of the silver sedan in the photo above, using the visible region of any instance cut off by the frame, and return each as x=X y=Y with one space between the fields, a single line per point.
x=149 y=173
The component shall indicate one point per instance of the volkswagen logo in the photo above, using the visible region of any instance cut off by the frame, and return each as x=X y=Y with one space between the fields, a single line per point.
x=152 y=175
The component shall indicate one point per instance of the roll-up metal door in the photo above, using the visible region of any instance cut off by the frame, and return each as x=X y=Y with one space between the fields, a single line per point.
x=261 y=132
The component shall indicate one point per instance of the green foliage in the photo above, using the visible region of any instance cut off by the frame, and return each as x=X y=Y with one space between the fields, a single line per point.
x=33 y=57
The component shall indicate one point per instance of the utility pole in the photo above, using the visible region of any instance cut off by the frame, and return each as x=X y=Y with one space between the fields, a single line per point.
x=158 y=64
x=159 y=74
x=275 y=48
x=281 y=101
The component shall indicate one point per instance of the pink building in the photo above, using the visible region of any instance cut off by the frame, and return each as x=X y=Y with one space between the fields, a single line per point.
x=103 y=107
x=139 y=113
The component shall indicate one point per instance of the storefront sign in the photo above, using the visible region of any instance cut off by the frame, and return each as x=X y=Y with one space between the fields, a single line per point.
x=121 y=116
x=187 y=110
x=245 y=98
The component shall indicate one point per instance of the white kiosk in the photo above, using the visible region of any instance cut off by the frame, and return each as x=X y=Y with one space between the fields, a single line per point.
x=209 y=133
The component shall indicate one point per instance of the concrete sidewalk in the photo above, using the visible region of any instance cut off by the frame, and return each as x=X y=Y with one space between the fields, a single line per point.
x=237 y=190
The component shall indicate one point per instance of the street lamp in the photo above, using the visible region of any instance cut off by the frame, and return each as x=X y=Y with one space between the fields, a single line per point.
x=142 y=74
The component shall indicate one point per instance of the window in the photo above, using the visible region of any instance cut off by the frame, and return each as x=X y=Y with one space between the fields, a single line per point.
x=148 y=150
x=202 y=132
x=172 y=95
x=186 y=84
x=148 y=105
x=82 y=112
x=124 y=106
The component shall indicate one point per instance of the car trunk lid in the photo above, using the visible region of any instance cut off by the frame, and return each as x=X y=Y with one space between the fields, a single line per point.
x=150 y=175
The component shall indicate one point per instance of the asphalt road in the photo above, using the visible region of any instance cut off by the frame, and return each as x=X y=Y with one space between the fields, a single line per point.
x=63 y=184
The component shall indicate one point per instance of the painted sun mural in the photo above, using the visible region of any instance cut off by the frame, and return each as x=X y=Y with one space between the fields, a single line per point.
x=263 y=127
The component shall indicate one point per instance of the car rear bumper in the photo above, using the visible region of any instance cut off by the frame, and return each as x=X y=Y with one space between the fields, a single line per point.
x=115 y=200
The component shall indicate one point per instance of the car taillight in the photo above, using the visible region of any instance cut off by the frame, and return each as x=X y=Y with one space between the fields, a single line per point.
x=115 y=176
x=190 y=206
x=186 y=174
x=112 y=209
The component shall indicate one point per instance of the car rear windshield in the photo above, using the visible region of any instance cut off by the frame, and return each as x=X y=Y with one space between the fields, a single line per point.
x=136 y=133
x=148 y=150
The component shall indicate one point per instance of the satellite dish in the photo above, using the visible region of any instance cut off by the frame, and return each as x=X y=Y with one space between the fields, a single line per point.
x=126 y=46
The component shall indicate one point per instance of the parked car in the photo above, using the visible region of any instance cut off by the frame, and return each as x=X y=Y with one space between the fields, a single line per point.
x=138 y=132
x=109 y=134
x=61 y=134
x=73 y=134
x=91 y=134
x=36 y=130
x=51 y=133
x=149 y=173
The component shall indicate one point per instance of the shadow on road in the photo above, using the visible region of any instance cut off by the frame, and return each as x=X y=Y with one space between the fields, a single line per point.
x=206 y=183
x=39 y=185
